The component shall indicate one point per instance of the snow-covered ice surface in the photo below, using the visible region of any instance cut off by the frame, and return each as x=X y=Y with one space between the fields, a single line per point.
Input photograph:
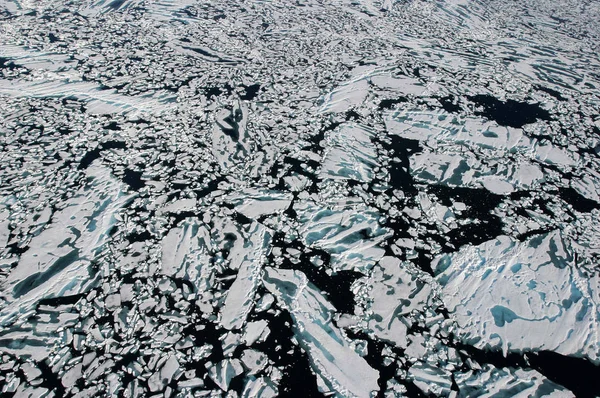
x=299 y=198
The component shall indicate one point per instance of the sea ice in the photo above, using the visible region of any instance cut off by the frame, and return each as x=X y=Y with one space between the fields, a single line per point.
x=351 y=235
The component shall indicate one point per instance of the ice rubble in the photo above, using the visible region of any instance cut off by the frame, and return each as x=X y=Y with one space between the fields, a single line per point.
x=187 y=252
x=337 y=365
x=522 y=296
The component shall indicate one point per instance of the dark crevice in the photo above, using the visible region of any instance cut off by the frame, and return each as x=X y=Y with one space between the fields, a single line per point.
x=335 y=287
x=575 y=199
x=389 y=103
x=133 y=179
x=450 y=104
x=94 y=154
x=510 y=112
x=401 y=149
x=251 y=92
x=576 y=374
x=479 y=203
x=551 y=92
x=62 y=300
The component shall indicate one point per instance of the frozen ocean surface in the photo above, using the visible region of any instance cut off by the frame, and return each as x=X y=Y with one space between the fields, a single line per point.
x=300 y=198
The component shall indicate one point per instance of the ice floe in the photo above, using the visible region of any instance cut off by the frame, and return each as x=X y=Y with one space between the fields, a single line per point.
x=240 y=298
x=394 y=292
x=98 y=101
x=522 y=296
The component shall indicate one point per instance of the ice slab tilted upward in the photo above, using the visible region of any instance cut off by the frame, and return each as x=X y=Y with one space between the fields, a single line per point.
x=522 y=296
x=240 y=298
x=185 y=253
x=98 y=101
x=58 y=261
x=346 y=96
x=352 y=235
x=492 y=382
x=458 y=169
x=254 y=203
x=338 y=366
x=350 y=154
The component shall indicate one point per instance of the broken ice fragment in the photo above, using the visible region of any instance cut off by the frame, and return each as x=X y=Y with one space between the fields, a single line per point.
x=223 y=372
x=431 y=380
x=229 y=136
x=254 y=203
x=164 y=375
x=469 y=132
x=254 y=361
x=464 y=169
x=185 y=254
x=256 y=331
x=345 y=96
x=99 y=101
x=262 y=387
x=332 y=358
x=349 y=154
